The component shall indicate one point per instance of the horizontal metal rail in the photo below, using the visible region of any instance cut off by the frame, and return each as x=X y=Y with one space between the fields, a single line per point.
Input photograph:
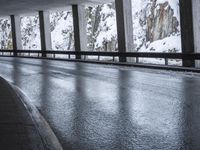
x=83 y=57
x=184 y=56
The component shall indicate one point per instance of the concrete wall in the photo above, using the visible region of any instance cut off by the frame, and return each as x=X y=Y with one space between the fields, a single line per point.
x=196 y=24
x=16 y=32
x=124 y=27
x=82 y=27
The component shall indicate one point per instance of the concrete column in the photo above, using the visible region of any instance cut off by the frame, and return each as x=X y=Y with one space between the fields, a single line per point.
x=187 y=35
x=124 y=26
x=80 y=35
x=16 y=33
x=45 y=31
x=196 y=25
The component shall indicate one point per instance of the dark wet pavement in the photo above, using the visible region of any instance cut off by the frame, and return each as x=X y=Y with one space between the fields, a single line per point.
x=93 y=107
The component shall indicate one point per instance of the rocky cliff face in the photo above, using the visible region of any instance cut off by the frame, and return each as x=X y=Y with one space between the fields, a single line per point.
x=161 y=22
x=155 y=21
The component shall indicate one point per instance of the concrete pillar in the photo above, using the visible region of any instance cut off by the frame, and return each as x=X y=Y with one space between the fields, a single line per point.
x=196 y=25
x=16 y=33
x=124 y=26
x=80 y=35
x=187 y=35
x=45 y=31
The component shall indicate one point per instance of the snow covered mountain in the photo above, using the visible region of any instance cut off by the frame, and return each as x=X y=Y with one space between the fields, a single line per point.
x=156 y=25
x=154 y=21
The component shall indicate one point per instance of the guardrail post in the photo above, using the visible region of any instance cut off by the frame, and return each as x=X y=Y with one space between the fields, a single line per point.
x=196 y=25
x=80 y=36
x=124 y=27
x=45 y=32
x=16 y=33
x=166 y=62
x=137 y=60
x=98 y=58
x=187 y=35
x=113 y=58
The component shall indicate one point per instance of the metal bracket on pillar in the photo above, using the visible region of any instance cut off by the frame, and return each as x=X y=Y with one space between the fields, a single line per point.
x=45 y=32
x=187 y=35
x=16 y=33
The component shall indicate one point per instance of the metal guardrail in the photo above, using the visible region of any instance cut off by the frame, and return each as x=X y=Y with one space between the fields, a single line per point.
x=166 y=56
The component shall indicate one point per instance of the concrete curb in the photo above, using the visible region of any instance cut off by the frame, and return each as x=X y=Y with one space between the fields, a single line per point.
x=48 y=137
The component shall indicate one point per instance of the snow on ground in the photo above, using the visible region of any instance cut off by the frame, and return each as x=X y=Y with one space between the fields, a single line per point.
x=168 y=44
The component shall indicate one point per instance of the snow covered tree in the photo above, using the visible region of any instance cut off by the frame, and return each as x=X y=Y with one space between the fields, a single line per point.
x=5 y=34
x=30 y=32
x=101 y=27
x=62 y=30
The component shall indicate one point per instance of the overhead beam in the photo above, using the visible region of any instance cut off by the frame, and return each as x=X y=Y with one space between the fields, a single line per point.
x=16 y=33
x=187 y=35
x=79 y=22
x=45 y=31
x=124 y=26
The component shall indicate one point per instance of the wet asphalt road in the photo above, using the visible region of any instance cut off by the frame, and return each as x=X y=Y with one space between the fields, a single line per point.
x=98 y=107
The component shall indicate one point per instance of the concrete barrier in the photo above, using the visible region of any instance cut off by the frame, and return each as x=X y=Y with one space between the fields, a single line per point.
x=47 y=137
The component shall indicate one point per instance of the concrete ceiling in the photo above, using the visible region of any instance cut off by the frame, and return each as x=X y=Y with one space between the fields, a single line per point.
x=9 y=7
